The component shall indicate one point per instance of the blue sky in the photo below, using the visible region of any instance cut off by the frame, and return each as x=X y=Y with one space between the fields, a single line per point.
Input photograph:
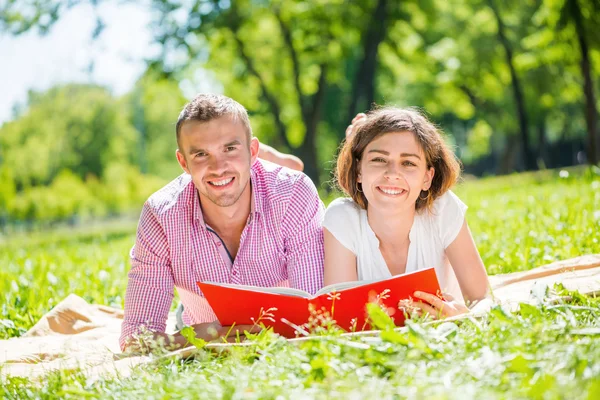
x=31 y=61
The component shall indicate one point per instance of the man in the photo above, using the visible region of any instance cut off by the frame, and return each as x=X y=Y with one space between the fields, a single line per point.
x=229 y=218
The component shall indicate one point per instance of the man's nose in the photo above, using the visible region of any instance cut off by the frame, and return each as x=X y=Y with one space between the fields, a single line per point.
x=217 y=164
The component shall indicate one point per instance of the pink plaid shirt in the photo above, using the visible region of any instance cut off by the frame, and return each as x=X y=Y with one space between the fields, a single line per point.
x=282 y=245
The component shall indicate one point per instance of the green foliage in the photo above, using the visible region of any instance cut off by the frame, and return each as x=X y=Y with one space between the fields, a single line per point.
x=78 y=152
x=76 y=127
x=153 y=106
x=521 y=221
x=545 y=351
x=190 y=334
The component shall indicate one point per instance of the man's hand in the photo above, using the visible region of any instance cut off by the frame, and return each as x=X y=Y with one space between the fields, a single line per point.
x=209 y=331
x=356 y=122
x=438 y=308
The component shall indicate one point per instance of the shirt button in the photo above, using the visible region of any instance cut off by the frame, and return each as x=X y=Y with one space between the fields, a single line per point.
x=218 y=243
x=234 y=273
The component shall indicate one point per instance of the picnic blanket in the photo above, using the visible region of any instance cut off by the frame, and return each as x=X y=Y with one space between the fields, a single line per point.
x=76 y=334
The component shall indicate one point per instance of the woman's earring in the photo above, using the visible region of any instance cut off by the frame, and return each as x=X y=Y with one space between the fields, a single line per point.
x=357 y=188
x=427 y=197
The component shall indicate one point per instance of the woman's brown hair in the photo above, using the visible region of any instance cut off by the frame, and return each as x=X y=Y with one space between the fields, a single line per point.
x=387 y=120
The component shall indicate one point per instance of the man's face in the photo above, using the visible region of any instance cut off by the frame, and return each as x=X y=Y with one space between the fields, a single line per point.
x=218 y=157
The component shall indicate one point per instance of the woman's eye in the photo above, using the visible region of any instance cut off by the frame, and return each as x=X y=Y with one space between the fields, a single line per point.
x=409 y=164
x=378 y=159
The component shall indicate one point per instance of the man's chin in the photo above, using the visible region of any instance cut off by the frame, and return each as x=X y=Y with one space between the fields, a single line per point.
x=224 y=201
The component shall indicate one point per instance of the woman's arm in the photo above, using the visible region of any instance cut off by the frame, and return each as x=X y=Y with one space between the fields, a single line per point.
x=468 y=266
x=340 y=263
x=472 y=278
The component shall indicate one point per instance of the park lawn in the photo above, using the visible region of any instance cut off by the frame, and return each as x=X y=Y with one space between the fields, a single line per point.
x=518 y=221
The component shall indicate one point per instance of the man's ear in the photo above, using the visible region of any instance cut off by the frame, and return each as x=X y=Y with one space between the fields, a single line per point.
x=254 y=147
x=181 y=160
x=428 y=178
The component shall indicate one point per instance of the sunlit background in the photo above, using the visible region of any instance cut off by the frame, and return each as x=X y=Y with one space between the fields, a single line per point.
x=90 y=89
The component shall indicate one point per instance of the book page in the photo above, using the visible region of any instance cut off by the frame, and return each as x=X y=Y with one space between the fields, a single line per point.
x=275 y=289
x=347 y=285
x=341 y=286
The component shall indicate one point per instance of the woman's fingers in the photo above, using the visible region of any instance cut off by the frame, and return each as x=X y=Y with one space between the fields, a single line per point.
x=431 y=299
x=427 y=309
x=448 y=296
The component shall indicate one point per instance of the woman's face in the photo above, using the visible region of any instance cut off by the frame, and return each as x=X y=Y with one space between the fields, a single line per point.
x=393 y=171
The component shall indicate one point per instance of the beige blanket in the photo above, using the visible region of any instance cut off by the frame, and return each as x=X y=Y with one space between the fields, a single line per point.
x=75 y=334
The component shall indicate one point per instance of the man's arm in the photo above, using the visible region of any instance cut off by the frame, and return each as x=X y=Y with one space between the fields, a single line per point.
x=150 y=281
x=150 y=294
x=303 y=237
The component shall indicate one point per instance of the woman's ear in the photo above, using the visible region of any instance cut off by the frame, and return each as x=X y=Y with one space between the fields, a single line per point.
x=358 y=175
x=428 y=178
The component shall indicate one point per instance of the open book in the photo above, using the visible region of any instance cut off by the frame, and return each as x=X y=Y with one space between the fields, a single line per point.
x=343 y=302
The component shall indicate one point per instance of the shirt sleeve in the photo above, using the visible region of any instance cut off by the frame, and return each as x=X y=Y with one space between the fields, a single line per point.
x=342 y=221
x=303 y=237
x=150 y=280
x=449 y=211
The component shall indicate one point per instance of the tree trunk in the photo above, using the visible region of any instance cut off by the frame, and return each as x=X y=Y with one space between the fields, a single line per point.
x=542 y=151
x=591 y=116
x=364 y=81
x=530 y=163
x=308 y=149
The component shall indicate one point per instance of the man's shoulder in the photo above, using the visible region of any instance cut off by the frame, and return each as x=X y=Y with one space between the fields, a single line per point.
x=172 y=195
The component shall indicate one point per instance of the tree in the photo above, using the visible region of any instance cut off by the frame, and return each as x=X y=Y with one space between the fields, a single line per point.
x=587 y=33
x=77 y=127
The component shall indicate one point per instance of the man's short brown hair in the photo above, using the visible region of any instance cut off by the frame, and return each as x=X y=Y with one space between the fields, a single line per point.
x=208 y=106
x=387 y=120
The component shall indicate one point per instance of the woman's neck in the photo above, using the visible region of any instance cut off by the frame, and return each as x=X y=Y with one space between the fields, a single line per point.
x=392 y=229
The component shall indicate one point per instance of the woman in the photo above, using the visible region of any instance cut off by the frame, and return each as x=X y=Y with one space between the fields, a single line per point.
x=401 y=216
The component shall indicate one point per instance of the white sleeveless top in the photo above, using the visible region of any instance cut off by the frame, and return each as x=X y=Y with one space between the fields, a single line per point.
x=432 y=232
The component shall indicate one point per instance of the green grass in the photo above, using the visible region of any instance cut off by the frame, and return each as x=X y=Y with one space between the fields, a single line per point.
x=518 y=222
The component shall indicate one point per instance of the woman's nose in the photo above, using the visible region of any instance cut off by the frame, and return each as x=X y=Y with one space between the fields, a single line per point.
x=393 y=171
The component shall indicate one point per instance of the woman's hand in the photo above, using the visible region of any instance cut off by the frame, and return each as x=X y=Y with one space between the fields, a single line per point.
x=438 y=308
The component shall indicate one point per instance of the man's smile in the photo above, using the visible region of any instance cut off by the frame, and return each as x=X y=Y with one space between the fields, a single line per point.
x=222 y=183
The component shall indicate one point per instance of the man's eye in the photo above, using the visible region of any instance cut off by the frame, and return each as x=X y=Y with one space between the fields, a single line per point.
x=231 y=148
x=200 y=155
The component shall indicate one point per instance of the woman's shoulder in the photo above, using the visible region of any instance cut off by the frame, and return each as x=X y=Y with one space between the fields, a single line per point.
x=344 y=211
x=342 y=220
x=448 y=202
x=343 y=206
x=447 y=217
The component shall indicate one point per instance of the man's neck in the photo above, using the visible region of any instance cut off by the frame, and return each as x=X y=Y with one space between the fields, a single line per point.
x=228 y=221
x=392 y=228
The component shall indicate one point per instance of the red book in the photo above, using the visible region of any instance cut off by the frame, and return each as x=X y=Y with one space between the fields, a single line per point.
x=345 y=302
